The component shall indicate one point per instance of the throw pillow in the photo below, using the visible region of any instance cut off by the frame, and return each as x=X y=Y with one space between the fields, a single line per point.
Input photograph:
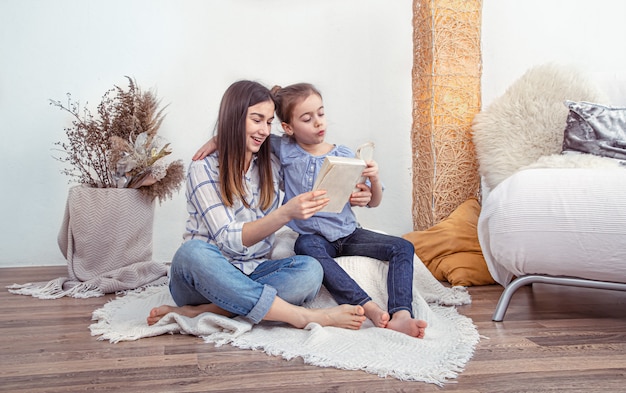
x=450 y=249
x=595 y=129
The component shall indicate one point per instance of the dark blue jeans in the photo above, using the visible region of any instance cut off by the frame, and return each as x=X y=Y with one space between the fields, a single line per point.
x=396 y=250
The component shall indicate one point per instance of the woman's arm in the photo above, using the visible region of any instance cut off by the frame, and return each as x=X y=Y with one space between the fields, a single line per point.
x=234 y=228
x=300 y=207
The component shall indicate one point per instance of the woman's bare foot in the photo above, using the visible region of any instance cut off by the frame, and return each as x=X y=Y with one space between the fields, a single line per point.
x=343 y=316
x=188 y=311
x=377 y=315
x=402 y=322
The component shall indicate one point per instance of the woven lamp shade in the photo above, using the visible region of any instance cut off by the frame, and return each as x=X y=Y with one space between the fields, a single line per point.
x=446 y=96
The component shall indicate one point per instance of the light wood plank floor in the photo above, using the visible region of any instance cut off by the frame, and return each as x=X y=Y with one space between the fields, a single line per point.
x=552 y=339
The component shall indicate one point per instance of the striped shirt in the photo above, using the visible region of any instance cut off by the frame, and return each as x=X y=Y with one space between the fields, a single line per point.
x=210 y=220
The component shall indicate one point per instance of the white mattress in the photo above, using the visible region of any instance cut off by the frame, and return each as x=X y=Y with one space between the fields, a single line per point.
x=558 y=222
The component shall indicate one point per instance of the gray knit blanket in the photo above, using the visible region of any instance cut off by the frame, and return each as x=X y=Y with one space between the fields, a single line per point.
x=106 y=238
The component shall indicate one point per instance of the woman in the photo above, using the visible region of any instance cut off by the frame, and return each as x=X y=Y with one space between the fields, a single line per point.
x=234 y=210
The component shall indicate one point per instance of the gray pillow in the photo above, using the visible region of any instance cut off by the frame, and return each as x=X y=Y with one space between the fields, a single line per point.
x=595 y=129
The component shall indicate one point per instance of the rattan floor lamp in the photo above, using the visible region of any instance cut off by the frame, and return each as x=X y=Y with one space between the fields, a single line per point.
x=446 y=95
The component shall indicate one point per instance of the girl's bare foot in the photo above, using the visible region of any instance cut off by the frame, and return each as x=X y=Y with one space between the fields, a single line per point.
x=402 y=322
x=188 y=311
x=377 y=315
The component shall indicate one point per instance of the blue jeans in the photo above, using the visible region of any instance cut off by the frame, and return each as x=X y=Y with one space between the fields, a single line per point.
x=396 y=250
x=200 y=274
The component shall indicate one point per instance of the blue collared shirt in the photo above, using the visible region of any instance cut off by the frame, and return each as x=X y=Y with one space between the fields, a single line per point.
x=212 y=221
x=300 y=170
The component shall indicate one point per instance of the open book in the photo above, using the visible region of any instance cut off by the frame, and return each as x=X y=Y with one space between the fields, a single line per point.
x=340 y=175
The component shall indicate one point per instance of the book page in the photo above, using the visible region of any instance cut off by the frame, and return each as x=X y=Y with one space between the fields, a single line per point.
x=366 y=151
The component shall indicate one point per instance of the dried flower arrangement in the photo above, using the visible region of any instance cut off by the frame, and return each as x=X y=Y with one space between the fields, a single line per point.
x=120 y=147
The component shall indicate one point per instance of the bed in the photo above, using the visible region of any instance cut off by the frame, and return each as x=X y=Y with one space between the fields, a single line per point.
x=548 y=215
x=562 y=226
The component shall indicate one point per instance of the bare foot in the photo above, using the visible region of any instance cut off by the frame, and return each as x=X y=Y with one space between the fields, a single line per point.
x=402 y=322
x=377 y=315
x=188 y=311
x=343 y=316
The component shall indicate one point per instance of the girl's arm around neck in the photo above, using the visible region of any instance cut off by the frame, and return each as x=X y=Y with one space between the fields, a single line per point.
x=209 y=147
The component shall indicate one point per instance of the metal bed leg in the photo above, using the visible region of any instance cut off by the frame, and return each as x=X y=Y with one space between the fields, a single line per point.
x=519 y=282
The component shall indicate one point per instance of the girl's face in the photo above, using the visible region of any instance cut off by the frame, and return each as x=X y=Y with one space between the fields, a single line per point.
x=258 y=126
x=308 y=124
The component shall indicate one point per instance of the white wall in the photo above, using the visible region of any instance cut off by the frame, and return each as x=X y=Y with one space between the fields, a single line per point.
x=517 y=35
x=358 y=52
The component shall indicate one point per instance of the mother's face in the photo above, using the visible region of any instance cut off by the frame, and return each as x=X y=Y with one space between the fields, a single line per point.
x=258 y=125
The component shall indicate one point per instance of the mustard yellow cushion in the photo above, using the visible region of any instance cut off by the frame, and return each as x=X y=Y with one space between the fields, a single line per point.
x=450 y=249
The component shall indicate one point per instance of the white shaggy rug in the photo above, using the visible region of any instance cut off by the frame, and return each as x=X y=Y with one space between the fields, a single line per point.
x=449 y=343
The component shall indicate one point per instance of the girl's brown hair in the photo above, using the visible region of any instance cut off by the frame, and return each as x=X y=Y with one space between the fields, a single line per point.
x=231 y=144
x=286 y=98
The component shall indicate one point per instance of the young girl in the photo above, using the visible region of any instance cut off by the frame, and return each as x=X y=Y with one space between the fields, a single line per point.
x=233 y=204
x=325 y=236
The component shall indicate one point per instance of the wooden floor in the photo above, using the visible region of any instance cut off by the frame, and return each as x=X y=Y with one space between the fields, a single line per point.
x=552 y=339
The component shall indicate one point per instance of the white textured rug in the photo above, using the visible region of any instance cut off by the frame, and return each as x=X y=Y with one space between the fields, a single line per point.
x=449 y=343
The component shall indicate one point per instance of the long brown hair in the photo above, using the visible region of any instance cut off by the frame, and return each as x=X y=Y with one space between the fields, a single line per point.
x=231 y=144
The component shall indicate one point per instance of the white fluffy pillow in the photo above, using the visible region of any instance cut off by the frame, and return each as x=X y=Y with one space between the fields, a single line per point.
x=528 y=121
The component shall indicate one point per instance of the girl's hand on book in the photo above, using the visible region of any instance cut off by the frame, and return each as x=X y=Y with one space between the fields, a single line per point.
x=361 y=197
x=371 y=171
